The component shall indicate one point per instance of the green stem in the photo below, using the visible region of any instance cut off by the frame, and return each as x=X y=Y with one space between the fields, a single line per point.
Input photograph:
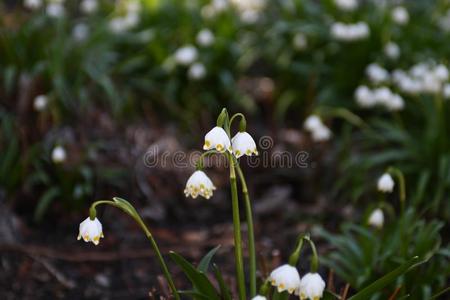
x=133 y=213
x=237 y=231
x=402 y=189
x=315 y=257
x=251 y=232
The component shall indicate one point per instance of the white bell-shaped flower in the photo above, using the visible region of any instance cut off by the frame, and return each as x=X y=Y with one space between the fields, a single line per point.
x=311 y=287
x=285 y=278
x=312 y=123
x=376 y=218
x=199 y=184
x=386 y=183
x=91 y=231
x=243 y=143
x=217 y=139
x=40 y=102
x=259 y=297
x=59 y=154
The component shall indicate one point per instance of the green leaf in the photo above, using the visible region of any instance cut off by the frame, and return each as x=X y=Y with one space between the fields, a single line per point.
x=377 y=285
x=45 y=201
x=193 y=294
x=198 y=279
x=224 y=291
x=206 y=260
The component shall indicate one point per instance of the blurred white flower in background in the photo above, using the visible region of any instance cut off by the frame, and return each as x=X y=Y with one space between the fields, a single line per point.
x=199 y=184
x=249 y=10
x=285 y=278
x=90 y=231
x=33 y=4
x=422 y=78
x=299 y=41
x=89 y=6
x=376 y=73
x=364 y=97
x=59 y=154
x=214 y=8
x=128 y=20
x=259 y=297
x=376 y=218
x=40 y=103
x=444 y=21
x=400 y=15
x=446 y=91
x=197 y=71
x=80 y=32
x=346 y=5
x=392 y=50
x=349 y=32
x=385 y=183
x=311 y=287
x=319 y=132
x=205 y=38
x=186 y=55
x=55 y=9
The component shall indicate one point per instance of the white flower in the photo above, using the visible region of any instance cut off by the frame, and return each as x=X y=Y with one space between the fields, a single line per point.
x=386 y=183
x=446 y=91
x=80 y=32
x=312 y=123
x=197 y=71
x=217 y=139
x=441 y=72
x=299 y=41
x=311 y=287
x=89 y=6
x=395 y=103
x=242 y=143
x=376 y=218
x=285 y=278
x=205 y=37
x=346 y=5
x=392 y=50
x=33 y=4
x=58 y=154
x=199 y=184
x=364 y=97
x=349 y=32
x=186 y=55
x=259 y=297
x=55 y=10
x=376 y=73
x=400 y=15
x=91 y=231
x=40 y=102
x=318 y=130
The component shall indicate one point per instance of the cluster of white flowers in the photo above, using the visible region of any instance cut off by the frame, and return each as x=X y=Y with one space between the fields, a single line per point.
x=40 y=103
x=91 y=231
x=249 y=10
x=241 y=144
x=286 y=278
x=300 y=42
x=187 y=56
x=55 y=9
x=318 y=130
x=367 y=98
x=349 y=32
x=376 y=218
x=376 y=73
x=346 y=5
x=423 y=78
x=89 y=6
x=128 y=20
x=33 y=4
x=392 y=50
x=400 y=15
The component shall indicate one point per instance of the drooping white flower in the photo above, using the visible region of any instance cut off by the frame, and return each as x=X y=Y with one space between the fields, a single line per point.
x=186 y=55
x=197 y=71
x=376 y=218
x=346 y=5
x=243 y=144
x=364 y=97
x=59 y=154
x=299 y=41
x=80 y=32
x=446 y=91
x=40 y=102
x=91 y=231
x=205 y=38
x=217 y=139
x=55 y=10
x=441 y=72
x=386 y=183
x=285 y=278
x=392 y=50
x=312 y=123
x=89 y=6
x=311 y=287
x=33 y=4
x=259 y=297
x=400 y=15
x=376 y=73
x=319 y=132
x=199 y=184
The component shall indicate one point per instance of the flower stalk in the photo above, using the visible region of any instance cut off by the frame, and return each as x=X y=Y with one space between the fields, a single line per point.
x=401 y=182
